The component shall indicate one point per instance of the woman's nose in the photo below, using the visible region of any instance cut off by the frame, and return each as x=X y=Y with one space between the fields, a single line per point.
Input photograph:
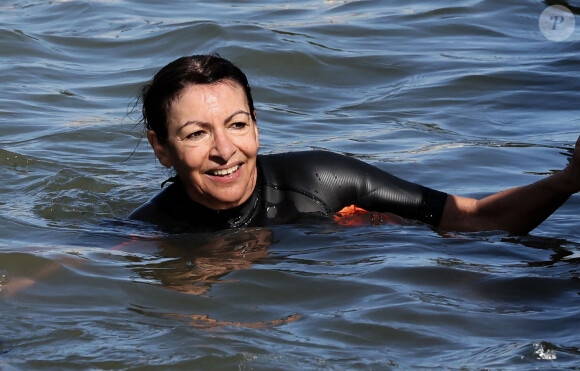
x=223 y=148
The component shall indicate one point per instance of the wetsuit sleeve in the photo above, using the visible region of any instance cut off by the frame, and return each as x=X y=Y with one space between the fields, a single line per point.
x=338 y=181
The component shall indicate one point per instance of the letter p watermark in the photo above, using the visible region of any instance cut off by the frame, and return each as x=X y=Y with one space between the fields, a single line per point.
x=557 y=23
x=557 y=20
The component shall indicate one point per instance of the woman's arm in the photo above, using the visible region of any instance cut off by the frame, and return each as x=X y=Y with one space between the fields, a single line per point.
x=516 y=210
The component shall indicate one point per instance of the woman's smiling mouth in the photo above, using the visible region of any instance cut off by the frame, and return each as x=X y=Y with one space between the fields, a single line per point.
x=224 y=172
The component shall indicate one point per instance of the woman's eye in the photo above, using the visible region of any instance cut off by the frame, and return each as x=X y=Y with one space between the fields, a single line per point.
x=196 y=134
x=239 y=125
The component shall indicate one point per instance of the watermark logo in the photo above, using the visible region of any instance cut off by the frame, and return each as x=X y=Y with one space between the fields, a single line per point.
x=557 y=23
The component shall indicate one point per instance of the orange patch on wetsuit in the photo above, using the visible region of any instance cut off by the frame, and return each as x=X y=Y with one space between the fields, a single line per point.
x=354 y=215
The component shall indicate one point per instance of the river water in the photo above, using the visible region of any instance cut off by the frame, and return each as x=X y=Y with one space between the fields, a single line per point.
x=468 y=97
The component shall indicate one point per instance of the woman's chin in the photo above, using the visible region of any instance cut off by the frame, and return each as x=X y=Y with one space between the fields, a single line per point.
x=224 y=201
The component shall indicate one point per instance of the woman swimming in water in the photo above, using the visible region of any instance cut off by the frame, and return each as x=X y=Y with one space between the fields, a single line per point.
x=200 y=119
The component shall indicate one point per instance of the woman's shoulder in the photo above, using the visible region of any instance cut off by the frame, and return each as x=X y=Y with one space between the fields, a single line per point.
x=316 y=154
x=313 y=163
x=155 y=210
x=302 y=160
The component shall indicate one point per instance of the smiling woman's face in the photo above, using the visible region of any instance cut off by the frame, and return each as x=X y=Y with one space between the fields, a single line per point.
x=212 y=143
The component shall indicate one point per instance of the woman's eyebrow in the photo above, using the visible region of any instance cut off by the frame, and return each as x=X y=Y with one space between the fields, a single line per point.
x=236 y=113
x=194 y=122
x=205 y=124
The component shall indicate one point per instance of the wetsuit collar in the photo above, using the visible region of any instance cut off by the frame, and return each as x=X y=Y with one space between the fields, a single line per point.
x=235 y=217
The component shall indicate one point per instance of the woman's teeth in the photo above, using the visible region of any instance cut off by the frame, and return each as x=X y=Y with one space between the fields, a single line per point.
x=225 y=172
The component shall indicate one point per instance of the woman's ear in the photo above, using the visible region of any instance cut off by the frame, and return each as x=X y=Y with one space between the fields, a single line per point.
x=161 y=151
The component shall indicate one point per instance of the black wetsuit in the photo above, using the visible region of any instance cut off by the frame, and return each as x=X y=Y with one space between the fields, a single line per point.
x=293 y=185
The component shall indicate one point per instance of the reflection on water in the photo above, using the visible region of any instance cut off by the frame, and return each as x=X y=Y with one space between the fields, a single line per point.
x=191 y=263
x=203 y=321
x=366 y=286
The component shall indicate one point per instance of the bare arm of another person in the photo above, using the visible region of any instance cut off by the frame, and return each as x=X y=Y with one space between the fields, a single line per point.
x=516 y=210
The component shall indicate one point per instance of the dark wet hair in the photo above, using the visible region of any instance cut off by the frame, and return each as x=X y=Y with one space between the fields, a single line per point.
x=158 y=94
